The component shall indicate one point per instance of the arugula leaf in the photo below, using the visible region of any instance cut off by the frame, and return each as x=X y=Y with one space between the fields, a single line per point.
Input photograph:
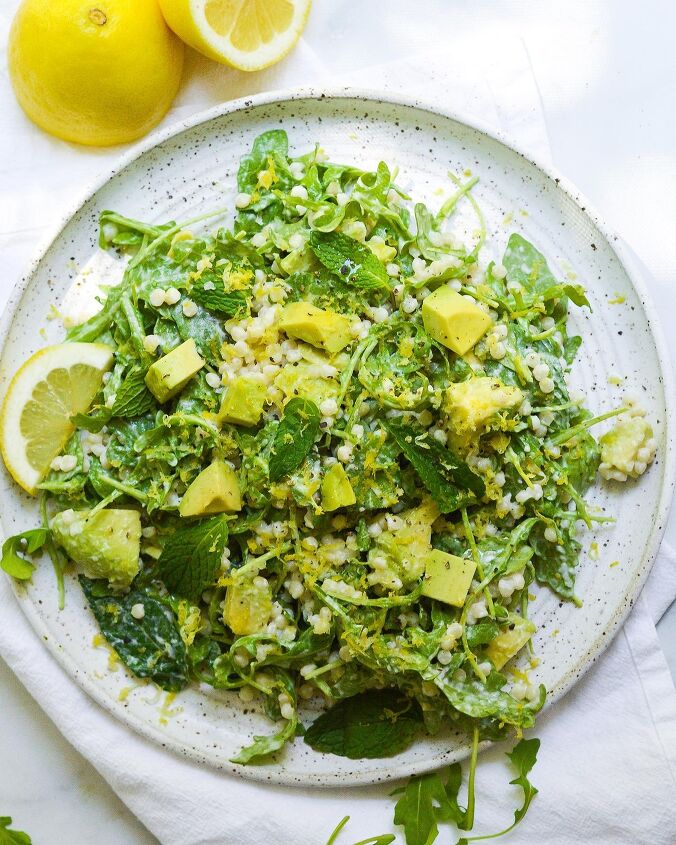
x=264 y=746
x=382 y=839
x=150 y=647
x=191 y=557
x=14 y=563
x=275 y=141
x=133 y=399
x=419 y=808
x=523 y=757
x=438 y=468
x=349 y=260
x=12 y=837
x=377 y=723
x=555 y=563
x=294 y=437
x=529 y=268
x=474 y=699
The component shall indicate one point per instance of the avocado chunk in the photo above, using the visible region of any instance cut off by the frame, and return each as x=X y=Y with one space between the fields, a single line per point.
x=325 y=329
x=471 y=404
x=169 y=375
x=453 y=320
x=301 y=380
x=447 y=577
x=106 y=544
x=243 y=402
x=337 y=491
x=215 y=490
x=510 y=642
x=248 y=605
x=398 y=555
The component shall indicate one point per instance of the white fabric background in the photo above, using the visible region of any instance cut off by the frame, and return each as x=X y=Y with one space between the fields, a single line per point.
x=587 y=778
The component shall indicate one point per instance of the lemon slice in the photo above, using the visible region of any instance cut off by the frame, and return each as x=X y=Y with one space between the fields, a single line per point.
x=247 y=34
x=51 y=387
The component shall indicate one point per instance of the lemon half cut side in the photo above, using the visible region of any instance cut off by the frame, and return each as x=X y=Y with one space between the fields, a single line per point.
x=51 y=387
x=247 y=34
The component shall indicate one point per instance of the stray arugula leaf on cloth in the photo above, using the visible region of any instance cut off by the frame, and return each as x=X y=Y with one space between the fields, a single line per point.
x=12 y=837
x=378 y=723
x=191 y=557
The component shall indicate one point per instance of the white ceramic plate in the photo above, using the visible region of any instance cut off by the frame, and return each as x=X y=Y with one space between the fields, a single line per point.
x=191 y=169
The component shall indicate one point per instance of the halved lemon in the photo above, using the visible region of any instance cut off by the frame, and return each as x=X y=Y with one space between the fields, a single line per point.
x=247 y=34
x=52 y=386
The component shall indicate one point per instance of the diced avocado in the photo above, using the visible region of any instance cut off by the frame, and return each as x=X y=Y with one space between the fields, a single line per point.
x=337 y=491
x=243 y=401
x=470 y=404
x=215 y=490
x=106 y=544
x=324 y=329
x=248 y=605
x=510 y=641
x=620 y=446
x=447 y=577
x=297 y=261
x=453 y=320
x=170 y=374
x=302 y=380
x=400 y=553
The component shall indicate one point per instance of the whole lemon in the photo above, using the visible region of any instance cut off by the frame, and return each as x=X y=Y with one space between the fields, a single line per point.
x=95 y=72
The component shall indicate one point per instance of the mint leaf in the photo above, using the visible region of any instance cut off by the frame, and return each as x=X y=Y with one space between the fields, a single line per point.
x=150 y=647
x=377 y=723
x=446 y=476
x=14 y=563
x=191 y=557
x=232 y=303
x=12 y=837
x=133 y=399
x=294 y=437
x=350 y=260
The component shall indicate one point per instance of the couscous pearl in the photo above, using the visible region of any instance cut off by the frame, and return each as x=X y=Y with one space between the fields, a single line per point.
x=189 y=308
x=242 y=200
x=157 y=297
x=550 y=534
x=547 y=385
x=138 y=611
x=172 y=296
x=540 y=371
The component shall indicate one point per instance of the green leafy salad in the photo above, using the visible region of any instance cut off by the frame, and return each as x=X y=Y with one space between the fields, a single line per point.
x=333 y=452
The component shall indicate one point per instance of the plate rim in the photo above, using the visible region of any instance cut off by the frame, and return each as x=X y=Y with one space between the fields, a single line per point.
x=627 y=261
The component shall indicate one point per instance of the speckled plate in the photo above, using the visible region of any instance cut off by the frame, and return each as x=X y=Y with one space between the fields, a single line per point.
x=190 y=169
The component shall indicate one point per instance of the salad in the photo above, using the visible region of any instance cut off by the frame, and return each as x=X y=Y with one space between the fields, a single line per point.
x=327 y=455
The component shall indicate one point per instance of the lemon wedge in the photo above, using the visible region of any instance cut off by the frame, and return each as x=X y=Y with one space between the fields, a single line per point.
x=52 y=386
x=247 y=34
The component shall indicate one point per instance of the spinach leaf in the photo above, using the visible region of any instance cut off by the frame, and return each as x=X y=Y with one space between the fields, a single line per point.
x=350 y=260
x=482 y=633
x=133 y=399
x=294 y=437
x=444 y=474
x=12 y=837
x=474 y=699
x=555 y=563
x=150 y=647
x=275 y=141
x=14 y=548
x=191 y=557
x=378 y=723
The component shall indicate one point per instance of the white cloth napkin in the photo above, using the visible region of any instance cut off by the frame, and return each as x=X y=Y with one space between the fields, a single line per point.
x=607 y=765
